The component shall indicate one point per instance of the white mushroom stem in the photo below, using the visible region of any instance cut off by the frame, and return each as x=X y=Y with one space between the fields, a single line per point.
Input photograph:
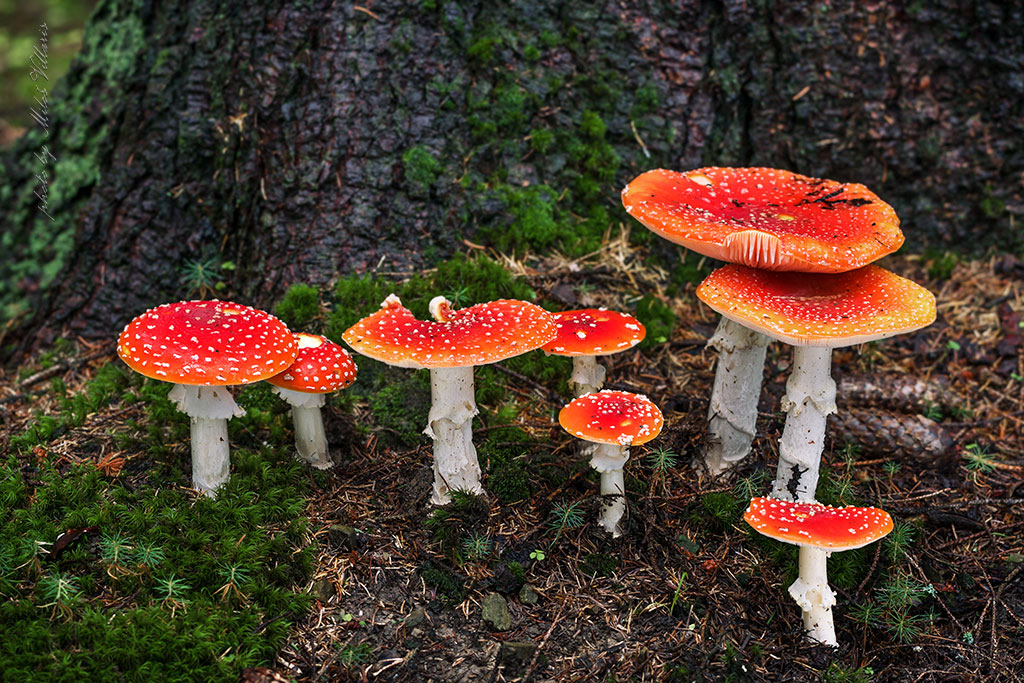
x=450 y=425
x=310 y=438
x=209 y=409
x=609 y=459
x=810 y=398
x=811 y=592
x=587 y=375
x=732 y=412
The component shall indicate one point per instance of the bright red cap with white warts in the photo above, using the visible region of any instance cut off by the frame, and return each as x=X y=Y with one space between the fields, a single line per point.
x=477 y=335
x=819 y=309
x=206 y=343
x=594 y=332
x=817 y=526
x=766 y=218
x=616 y=417
x=321 y=367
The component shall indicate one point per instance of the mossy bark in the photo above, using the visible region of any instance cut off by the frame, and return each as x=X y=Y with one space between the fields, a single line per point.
x=329 y=138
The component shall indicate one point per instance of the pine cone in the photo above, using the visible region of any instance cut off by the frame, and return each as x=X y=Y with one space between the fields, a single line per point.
x=881 y=433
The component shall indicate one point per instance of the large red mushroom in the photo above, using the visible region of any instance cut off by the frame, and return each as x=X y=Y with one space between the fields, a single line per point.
x=814 y=312
x=763 y=218
x=204 y=347
x=450 y=346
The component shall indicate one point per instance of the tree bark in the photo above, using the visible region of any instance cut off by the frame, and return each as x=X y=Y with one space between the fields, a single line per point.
x=335 y=138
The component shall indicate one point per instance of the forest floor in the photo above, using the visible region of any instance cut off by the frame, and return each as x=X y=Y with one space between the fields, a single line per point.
x=348 y=574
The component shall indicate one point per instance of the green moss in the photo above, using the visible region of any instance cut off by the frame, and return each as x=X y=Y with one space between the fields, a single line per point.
x=299 y=306
x=401 y=408
x=592 y=125
x=421 y=169
x=599 y=564
x=541 y=140
x=658 y=318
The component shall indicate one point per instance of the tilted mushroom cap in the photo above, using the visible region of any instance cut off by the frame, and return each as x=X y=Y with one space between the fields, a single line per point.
x=817 y=526
x=321 y=367
x=819 y=309
x=616 y=417
x=477 y=335
x=206 y=343
x=766 y=218
x=594 y=332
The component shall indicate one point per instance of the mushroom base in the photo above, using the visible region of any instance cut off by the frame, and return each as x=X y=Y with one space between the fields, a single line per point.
x=609 y=460
x=310 y=437
x=810 y=398
x=732 y=411
x=209 y=409
x=816 y=599
x=587 y=375
x=450 y=425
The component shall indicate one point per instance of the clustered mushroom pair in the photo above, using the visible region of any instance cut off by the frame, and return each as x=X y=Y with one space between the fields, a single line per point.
x=203 y=347
x=799 y=251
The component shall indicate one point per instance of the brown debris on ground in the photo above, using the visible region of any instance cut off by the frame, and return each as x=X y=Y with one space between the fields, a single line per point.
x=676 y=593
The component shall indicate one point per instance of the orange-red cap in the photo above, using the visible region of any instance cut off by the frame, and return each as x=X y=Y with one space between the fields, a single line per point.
x=594 y=332
x=819 y=309
x=477 y=335
x=816 y=525
x=206 y=343
x=766 y=218
x=320 y=367
x=616 y=417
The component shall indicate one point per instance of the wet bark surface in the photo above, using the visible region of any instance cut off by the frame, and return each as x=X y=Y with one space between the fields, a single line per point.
x=329 y=139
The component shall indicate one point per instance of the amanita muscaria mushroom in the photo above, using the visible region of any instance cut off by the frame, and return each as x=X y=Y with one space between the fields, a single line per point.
x=588 y=333
x=819 y=530
x=614 y=420
x=320 y=367
x=815 y=313
x=450 y=346
x=203 y=347
x=763 y=218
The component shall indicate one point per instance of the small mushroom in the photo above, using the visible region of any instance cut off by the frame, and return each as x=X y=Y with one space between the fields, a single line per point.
x=450 y=346
x=588 y=333
x=614 y=420
x=203 y=347
x=819 y=530
x=814 y=312
x=763 y=218
x=320 y=368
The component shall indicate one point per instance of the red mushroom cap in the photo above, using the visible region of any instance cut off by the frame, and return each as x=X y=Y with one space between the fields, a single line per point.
x=766 y=218
x=819 y=309
x=481 y=334
x=594 y=332
x=206 y=343
x=321 y=367
x=817 y=526
x=617 y=417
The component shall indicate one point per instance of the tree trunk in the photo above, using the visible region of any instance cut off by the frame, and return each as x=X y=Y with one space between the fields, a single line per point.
x=335 y=138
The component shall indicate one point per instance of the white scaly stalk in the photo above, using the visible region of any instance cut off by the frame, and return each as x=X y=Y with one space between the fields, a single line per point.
x=587 y=375
x=310 y=437
x=810 y=398
x=609 y=459
x=732 y=411
x=209 y=409
x=811 y=592
x=450 y=425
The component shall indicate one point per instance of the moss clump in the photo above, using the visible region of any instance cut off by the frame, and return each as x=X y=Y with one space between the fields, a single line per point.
x=599 y=564
x=421 y=169
x=401 y=408
x=299 y=306
x=658 y=318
